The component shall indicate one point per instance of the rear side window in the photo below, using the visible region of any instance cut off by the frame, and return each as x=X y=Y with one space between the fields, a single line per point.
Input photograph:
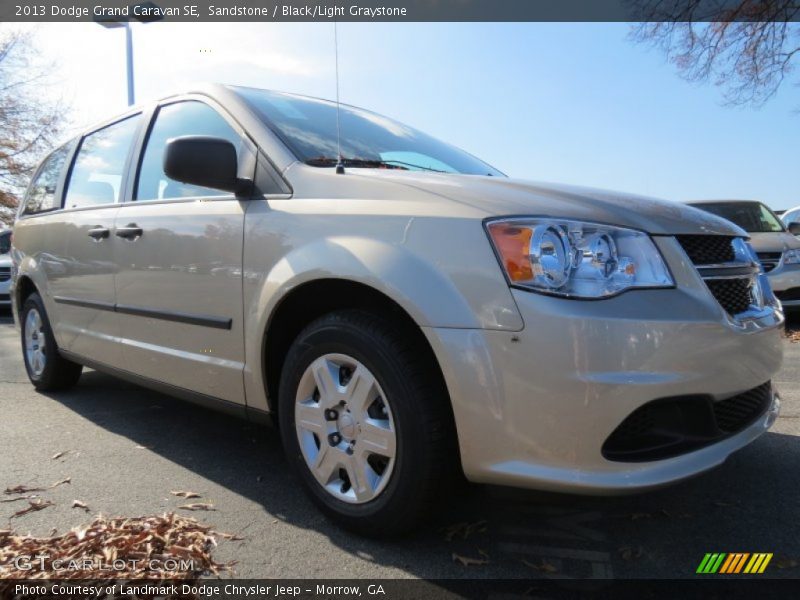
x=96 y=177
x=176 y=120
x=5 y=242
x=42 y=192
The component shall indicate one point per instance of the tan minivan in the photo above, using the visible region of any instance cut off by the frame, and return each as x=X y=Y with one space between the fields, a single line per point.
x=409 y=313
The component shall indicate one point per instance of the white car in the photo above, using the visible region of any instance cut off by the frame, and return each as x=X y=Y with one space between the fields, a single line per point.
x=5 y=268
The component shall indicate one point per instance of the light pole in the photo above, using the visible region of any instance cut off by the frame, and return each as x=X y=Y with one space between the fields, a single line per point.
x=112 y=23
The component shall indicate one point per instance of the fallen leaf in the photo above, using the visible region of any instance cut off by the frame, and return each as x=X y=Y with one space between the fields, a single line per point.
x=62 y=482
x=182 y=494
x=18 y=498
x=22 y=489
x=58 y=455
x=53 y=531
x=33 y=506
x=630 y=553
x=198 y=506
x=80 y=504
x=543 y=567
x=464 y=530
x=469 y=562
x=231 y=537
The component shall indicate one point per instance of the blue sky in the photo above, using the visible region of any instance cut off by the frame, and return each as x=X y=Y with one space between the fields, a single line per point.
x=573 y=103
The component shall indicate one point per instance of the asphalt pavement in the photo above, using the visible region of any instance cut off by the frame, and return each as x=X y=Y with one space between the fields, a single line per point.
x=126 y=448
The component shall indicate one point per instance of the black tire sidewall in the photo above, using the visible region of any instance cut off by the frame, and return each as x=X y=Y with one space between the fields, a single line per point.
x=377 y=354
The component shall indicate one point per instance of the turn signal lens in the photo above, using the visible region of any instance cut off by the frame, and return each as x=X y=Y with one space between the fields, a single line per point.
x=513 y=244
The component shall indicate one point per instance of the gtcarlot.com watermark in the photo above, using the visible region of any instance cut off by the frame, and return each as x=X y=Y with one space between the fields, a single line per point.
x=43 y=562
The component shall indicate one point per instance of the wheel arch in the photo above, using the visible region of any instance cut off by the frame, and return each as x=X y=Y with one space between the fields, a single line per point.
x=313 y=299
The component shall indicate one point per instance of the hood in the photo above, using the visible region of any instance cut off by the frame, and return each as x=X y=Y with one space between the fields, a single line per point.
x=776 y=241
x=499 y=196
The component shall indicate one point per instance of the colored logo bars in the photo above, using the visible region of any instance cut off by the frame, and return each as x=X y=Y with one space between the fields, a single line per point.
x=736 y=562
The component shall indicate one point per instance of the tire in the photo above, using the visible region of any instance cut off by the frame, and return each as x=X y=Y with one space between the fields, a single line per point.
x=47 y=369
x=399 y=488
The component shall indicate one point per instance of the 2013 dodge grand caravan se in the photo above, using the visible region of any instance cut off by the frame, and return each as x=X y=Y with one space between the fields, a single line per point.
x=407 y=311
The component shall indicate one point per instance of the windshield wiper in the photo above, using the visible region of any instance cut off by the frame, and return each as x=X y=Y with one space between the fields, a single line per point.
x=326 y=161
x=367 y=163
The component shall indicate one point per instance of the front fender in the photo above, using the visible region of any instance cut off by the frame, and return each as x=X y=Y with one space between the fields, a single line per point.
x=453 y=283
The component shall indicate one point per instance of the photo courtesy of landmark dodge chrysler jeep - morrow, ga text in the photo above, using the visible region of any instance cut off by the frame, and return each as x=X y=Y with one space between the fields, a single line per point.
x=406 y=312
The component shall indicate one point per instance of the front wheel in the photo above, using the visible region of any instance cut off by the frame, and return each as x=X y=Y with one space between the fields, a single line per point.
x=47 y=369
x=365 y=420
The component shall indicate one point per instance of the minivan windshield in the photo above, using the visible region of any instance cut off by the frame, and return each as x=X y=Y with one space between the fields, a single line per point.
x=753 y=217
x=308 y=126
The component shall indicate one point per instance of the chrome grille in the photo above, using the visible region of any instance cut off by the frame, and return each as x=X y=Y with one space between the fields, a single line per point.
x=726 y=268
x=5 y=273
x=708 y=249
x=769 y=260
x=734 y=295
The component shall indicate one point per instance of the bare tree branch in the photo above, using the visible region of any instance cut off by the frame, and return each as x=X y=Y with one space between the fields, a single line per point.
x=29 y=125
x=746 y=47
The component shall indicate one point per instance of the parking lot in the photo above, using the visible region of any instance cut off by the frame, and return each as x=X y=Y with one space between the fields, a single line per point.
x=125 y=449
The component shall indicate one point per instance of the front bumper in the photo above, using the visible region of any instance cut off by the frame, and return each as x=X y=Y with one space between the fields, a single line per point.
x=534 y=408
x=785 y=282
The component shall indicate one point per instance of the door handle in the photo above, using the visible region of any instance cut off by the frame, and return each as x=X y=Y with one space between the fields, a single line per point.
x=130 y=232
x=98 y=233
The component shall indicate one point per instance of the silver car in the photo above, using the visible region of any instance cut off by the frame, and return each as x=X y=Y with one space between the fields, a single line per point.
x=408 y=314
x=777 y=248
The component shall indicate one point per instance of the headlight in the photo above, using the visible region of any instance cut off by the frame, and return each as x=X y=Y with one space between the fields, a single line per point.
x=791 y=257
x=576 y=259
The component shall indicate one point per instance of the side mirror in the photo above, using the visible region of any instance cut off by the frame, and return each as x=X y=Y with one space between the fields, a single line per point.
x=794 y=228
x=206 y=162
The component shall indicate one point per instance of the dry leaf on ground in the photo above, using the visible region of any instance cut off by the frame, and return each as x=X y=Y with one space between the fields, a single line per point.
x=187 y=495
x=231 y=537
x=33 y=506
x=464 y=530
x=198 y=506
x=543 y=567
x=630 y=552
x=22 y=489
x=80 y=504
x=469 y=562
x=142 y=545
x=794 y=335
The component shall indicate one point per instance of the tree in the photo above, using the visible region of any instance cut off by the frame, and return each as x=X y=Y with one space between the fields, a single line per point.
x=29 y=123
x=747 y=47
